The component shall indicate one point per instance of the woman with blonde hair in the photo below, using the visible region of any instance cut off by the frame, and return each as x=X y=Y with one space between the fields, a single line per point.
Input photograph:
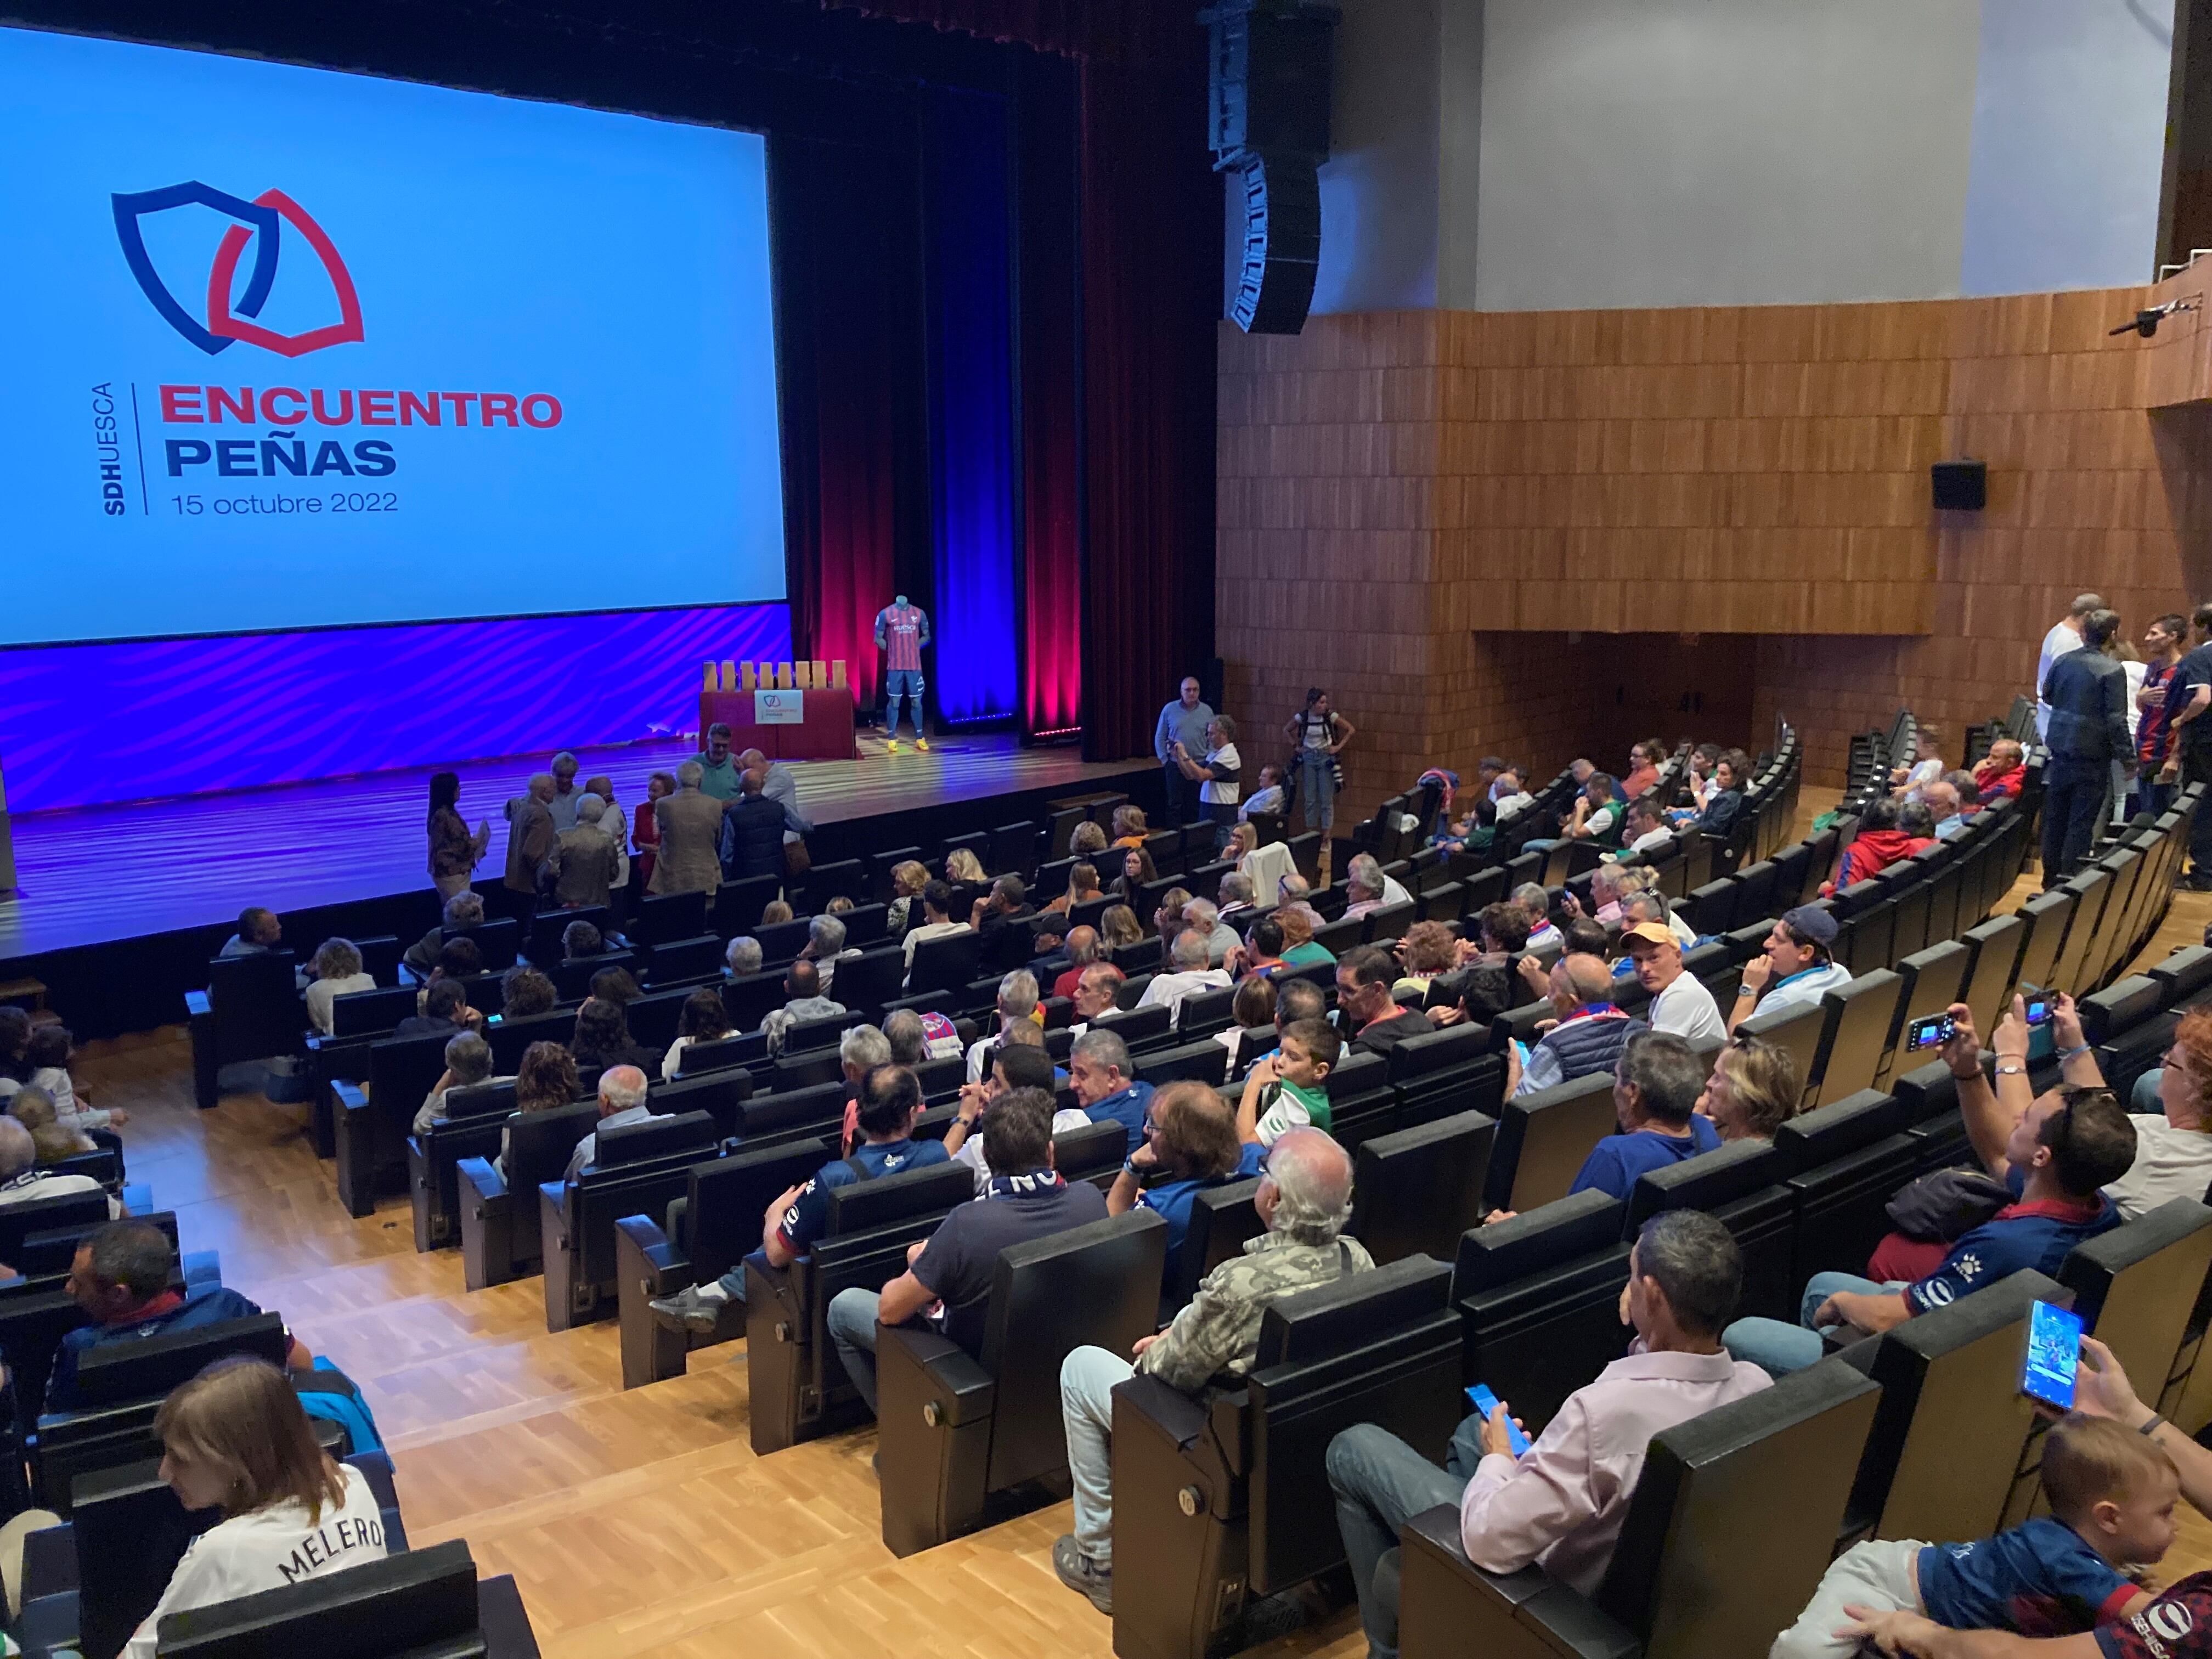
x=338 y=972
x=962 y=865
x=234 y=1438
x=909 y=877
x=1753 y=1090
x=1118 y=926
x=1129 y=827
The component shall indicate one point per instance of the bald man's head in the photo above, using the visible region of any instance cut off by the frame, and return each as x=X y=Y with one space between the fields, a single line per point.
x=1579 y=979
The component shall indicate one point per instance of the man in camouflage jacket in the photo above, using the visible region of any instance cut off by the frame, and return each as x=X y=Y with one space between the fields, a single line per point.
x=1305 y=1200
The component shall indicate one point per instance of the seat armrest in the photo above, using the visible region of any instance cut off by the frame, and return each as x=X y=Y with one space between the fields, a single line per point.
x=1572 y=1625
x=1449 y=1604
x=355 y=1135
x=49 y=1562
x=1174 y=1412
x=647 y=1265
x=484 y=1181
x=664 y=1267
x=961 y=1390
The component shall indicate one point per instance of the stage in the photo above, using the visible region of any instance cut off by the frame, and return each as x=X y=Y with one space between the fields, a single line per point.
x=94 y=876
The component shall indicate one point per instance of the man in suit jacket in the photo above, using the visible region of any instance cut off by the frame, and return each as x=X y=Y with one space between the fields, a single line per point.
x=530 y=838
x=2087 y=692
x=690 y=828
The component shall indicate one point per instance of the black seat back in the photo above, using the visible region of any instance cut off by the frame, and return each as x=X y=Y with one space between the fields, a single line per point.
x=1736 y=1513
x=113 y=1373
x=947 y=964
x=1205 y=1062
x=38 y=1215
x=401 y=1073
x=419 y=1602
x=509 y=1038
x=1095 y=1285
x=1415 y=1191
x=1379 y=1347
x=1706 y=1182
x=1543 y=1138
x=722 y=1095
x=257 y=1006
x=1221 y=1218
x=728 y=1198
x=1093 y=1152
x=2137 y=1285
x=1539 y=1295
x=696 y=957
x=498 y=942
x=657 y=1137
x=358 y=1012
x=667 y=917
x=797 y=1113
x=538 y=1144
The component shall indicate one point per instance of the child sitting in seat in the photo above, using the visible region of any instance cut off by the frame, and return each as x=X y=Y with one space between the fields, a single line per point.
x=2112 y=1494
x=49 y=1054
x=1289 y=1089
x=33 y=1108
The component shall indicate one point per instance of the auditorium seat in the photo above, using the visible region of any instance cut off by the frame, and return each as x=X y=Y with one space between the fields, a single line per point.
x=1539 y=1296
x=781 y=942
x=1730 y=1529
x=1415 y=1191
x=956 y=1430
x=1543 y=1138
x=2137 y=1287
x=1849 y=1161
x=1228 y=1494
x=1740 y=1185
x=1995 y=944
x=667 y=917
x=881 y=865
x=1438 y=1073
x=360 y=1012
x=694 y=957
x=726 y=1201
x=1948 y=1434
x=737 y=904
x=1800 y=1032
x=251 y=1010
x=1221 y=1219
x=546 y=928
x=796 y=1385
x=573 y=980
x=1205 y=1061
x=948 y=963
x=1932 y=980
x=845 y=878
x=636 y=1166
x=509 y=1038
x=1860 y=1016
x=474 y=1116
x=1205 y=1013
x=499 y=1241
x=373 y=1127
x=720 y=1094
x=2046 y=916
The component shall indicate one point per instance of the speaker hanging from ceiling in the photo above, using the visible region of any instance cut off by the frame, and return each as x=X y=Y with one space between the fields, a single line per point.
x=1269 y=89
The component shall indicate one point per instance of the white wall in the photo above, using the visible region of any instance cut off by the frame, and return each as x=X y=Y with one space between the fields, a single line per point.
x=1533 y=155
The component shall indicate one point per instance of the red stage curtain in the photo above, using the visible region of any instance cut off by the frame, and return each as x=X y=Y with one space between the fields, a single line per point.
x=855 y=438
x=1152 y=294
x=1110 y=31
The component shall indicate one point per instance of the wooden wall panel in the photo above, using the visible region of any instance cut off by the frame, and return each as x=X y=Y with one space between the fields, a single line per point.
x=1450 y=517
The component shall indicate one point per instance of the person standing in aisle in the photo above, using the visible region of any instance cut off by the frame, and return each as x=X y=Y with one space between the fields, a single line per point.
x=1181 y=721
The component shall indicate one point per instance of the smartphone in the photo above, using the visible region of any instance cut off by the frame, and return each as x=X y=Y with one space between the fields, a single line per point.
x=1932 y=1032
x=1483 y=1401
x=491 y=1019
x=2039 y=1011
x=2054 y=1355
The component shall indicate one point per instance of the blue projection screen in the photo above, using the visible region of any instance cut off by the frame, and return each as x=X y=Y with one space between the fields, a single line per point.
x=293 y=349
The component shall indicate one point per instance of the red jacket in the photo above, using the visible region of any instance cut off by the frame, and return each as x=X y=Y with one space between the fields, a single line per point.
x=1873 y=851
x=1999 y=786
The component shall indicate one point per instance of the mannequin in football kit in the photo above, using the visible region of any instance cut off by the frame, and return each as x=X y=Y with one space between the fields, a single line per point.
x=902 y=631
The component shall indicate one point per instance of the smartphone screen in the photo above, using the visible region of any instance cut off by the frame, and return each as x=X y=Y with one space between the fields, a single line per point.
x=2039 y=1011
x=1483 y=1401
x=2054 y=1354
x=1930 y=1033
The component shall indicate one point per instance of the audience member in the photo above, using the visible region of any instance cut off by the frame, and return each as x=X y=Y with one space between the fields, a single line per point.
x=236 y=1439
x=582 y=940
x=937 y=923
x=615 y=985
x=1299 y=923
x=1371 y=889
x=1753 y=1090
x=544 y=1081
x=1942 y=799
x=1088 y=841
x=1253 y=1006
x=1589 y=1032
x=909 y=877
x=454 y=851
x=1188 y=974
x=1137 y=874
x=464 y=910
x=1020 y=1063
x=468 y=1062
x=20 y=1179
x=2065 y=635
x=258 y=930
x=585 y=860
x=691 y=834
x=2053 y=1152
x=1236 y=909
x=1268 y=797
x=2111 y=1493
x=1260 y=955
x=1304 y=1201
x=645 y=825
x=2000 y=773
x=962 y=867
x=1007 y=905
x=120 y=1277
x=335 y=971
x=1501 y=930
x=1218 y=774
x=751 y=842
x=1796 y=970
x=1679 y=1005
x=1184 y=721
x=1119 y=928
x=531 y=836
x=445 y=1011
x=1731 y=775
x=703 y=1020
x=1644 y=760
x=1647 y=830
x=1656 y=1086
x=1190 y=1144
x=622 y=1102
x=860 y=1049
x=1368 y=1010
x=720 y=769
x=1082 y=946
x=1266 y=867
x=562 y=804
x=48 y=1053
x=1928 y=763
x=1535 y=903
x=2162 y=642
x=51 y=1140
x=2173 y=1143
x=1595 y=813
x=803 y=1001
x=1425 y=952
x=1560 y=1504
x=602 y=1038
x=2086 y=729
x=1016 y=1003
x=948 y=1280
x=1289 y=1089
x=1099 y=1071
x=781 y=785
x=742 y=958
x=1096 y=994
x=1203 y=916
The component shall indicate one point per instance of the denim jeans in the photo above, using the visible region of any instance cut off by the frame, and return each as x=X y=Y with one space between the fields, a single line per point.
x=851 y=1322
x=2072 y=799
x=1087 y=1377
x=1778 y=1349
x=1380 y=1483
x=1316 y=789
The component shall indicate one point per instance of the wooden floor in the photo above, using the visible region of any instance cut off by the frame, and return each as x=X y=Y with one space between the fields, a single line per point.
x=635 y=1521
x=98 y=873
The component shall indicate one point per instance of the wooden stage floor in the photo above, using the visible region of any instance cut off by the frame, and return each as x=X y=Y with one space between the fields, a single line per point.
x=96 y=874
x=638 y=1522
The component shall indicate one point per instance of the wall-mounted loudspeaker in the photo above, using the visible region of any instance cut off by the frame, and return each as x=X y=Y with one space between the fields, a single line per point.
x=1269 y=88
x=1960 y=486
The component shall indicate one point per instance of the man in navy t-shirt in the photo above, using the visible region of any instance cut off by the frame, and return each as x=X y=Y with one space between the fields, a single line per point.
x=120 y=1277
x=2053 y=1152
x=948 y=1279
x=1655 y=1086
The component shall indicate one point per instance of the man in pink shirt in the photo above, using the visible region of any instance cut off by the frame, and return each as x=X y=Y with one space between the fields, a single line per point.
x=1560 y=1504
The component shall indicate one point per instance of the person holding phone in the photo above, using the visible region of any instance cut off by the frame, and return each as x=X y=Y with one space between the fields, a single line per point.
x=2054 y=1152
x=1561 y=1505
x=2176 y=1624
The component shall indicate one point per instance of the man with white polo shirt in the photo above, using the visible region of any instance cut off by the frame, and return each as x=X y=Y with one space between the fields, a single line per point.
x=1680 y=1005
x=1796 y=971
